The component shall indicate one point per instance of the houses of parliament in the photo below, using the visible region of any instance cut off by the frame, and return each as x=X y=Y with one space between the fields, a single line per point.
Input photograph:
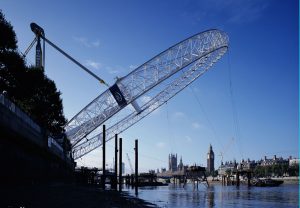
x=210 y=168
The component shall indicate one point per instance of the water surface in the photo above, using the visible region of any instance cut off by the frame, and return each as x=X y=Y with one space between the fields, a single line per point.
x=217 y=195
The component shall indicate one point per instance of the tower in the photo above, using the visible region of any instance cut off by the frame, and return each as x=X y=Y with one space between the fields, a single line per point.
x=210 y=160
x=172 y=162
x=180 y=165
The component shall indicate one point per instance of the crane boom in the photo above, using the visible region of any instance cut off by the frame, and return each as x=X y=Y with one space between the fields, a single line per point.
x=226 y=148
x=129 y=161
x=39 y=32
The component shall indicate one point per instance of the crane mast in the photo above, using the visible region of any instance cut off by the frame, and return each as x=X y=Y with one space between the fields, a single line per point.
x=40 y=54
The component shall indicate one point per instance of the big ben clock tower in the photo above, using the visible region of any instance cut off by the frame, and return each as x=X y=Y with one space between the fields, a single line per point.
x=210 y=160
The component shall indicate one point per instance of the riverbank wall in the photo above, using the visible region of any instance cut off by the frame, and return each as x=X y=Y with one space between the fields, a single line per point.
x=27 y=153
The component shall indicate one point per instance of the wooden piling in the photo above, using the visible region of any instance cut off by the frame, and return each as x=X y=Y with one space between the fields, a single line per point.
x=103 y=161
x=120 y=164
x=136 y=167
x=249 y=178
x=116 y=162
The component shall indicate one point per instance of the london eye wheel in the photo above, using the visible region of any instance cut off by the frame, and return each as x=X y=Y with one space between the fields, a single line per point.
x=143 y=90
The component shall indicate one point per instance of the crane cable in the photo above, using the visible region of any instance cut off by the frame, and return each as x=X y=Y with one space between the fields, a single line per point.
x=172 y=143
x=234 y=109
x=206 y=117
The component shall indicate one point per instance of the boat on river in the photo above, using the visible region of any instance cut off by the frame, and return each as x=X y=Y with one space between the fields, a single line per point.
x=267 y=182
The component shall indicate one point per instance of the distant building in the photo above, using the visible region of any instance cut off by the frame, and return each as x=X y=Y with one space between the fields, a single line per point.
x=152 y=171
x=210 y=160
x=123 y=168
x=180 y=166
x=227 y=167
x=247 y=164
x=293 y=161
x=272 y=161
x=172 y=162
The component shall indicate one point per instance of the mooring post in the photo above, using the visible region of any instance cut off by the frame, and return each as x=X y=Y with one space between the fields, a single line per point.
x=136 y=167
x=120 y=164
x=249 y=178
x=116 y=162
x=103 y=161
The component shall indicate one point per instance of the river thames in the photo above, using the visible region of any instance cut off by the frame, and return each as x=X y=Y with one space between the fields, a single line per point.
x=286 y=195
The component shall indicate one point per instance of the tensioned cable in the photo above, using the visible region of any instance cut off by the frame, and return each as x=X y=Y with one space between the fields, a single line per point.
x=206 y=117
x=169 y=130
x=234 y=109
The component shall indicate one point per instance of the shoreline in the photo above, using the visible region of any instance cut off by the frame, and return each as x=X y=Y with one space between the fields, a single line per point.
x=67 y=195
x=287 y=180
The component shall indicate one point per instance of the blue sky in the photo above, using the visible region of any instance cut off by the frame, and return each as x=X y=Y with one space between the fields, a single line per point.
x=113 y=37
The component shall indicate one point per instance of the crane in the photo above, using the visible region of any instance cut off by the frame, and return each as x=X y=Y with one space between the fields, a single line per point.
x=129 y=161
x=222 y=153
x=40 y=54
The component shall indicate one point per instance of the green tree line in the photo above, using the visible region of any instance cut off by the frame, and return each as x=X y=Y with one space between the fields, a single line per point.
x=28 y=86
x=276 y=170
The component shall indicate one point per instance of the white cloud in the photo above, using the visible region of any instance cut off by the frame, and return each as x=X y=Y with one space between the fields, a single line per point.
x=196 y=125
x=179 y=114
x=93 y=64
x=111 y=70
x=96 y=43
x=232 y=11
x=119 y=69
x=246 y=11
x=188 y=138
x=160 y=145
x=132 y=67
x=85 y=42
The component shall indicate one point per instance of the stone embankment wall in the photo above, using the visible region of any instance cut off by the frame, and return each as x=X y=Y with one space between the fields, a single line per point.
x=27 y=153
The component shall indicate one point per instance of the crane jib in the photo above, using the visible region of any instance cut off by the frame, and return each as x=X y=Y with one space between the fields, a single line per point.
x=116 y=92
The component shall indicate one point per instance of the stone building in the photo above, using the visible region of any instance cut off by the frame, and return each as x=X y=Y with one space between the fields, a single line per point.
x=172 y=162
x=180 y=166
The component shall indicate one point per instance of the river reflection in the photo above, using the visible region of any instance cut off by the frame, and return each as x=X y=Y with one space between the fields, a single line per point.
x=217 y=195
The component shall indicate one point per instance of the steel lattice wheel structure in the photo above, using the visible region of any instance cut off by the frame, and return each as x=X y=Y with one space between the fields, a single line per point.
x=143 y=90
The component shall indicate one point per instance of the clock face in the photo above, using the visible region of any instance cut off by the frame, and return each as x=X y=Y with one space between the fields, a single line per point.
x=118 y=97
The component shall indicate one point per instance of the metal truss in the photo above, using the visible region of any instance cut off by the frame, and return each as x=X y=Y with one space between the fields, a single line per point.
x=194 y=52
x=192 y=73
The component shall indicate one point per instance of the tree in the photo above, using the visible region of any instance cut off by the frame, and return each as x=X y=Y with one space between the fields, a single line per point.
x=28 y=87
x=259 y=171
x=294 y=170
x=43 y=103
x=8 y=39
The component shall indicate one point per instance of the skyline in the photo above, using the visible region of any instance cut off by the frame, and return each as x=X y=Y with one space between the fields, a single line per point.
x=258 y=110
